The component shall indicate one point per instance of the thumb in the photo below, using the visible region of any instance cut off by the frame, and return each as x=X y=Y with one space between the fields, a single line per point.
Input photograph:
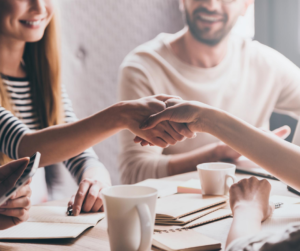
x=155 y=119
x=282 y=132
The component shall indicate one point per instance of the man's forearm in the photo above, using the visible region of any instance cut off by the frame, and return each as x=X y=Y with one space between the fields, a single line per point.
x=277 y=156
x=187 y=162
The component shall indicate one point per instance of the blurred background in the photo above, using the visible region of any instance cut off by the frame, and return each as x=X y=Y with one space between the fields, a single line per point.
x=98 y=34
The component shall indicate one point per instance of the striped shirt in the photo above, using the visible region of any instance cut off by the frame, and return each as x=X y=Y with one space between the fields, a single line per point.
x=13 y=128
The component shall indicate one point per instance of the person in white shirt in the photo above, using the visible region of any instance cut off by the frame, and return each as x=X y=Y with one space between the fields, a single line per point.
x=206 y=63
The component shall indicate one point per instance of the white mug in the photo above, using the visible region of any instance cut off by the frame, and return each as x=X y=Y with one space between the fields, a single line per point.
x=214 y=177
x=130 y=213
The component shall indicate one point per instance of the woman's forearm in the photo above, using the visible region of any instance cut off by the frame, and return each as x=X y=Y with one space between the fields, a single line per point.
x=58 y=143
x=277 y=156
x=246 y=221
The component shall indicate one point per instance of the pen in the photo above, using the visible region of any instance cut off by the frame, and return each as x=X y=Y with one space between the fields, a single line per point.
x=69 y=211
x=278 y=205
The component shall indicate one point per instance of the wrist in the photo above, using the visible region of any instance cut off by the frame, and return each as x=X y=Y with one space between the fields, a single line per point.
x=121 y=111
x=249 y=211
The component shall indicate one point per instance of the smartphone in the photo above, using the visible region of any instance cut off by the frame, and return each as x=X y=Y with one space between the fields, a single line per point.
x=27 y=174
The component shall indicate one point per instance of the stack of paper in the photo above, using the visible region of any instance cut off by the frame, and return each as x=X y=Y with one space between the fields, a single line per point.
x=189 y=210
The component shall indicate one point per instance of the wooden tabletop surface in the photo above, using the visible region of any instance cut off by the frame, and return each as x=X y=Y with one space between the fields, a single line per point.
x=96 y=238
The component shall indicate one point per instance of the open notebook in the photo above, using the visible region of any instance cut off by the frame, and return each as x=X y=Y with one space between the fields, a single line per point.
x=282 y=217
x=51 y=223
x=180 y=205
x=185 y=240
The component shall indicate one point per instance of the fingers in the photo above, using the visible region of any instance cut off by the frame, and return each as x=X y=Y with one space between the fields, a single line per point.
x=9 y=176
x=164 y=97
x=155 y=119
x=19 y=203
x=87 y=197
x=20 y=213
x=80 y=196
x=174 y=133
x=14 y=168
x=92 y=196
x=24 y=191
x=282 y=132
x=183 y=130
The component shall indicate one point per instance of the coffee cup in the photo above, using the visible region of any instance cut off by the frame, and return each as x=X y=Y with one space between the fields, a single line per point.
x=130 y=214
x=216 y=178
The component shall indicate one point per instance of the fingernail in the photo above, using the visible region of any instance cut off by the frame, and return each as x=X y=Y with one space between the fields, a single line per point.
x=194 y=136
x=2 y=209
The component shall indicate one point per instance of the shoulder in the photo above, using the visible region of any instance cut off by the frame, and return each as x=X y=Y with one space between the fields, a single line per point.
x=146 y=54
x=263 y=55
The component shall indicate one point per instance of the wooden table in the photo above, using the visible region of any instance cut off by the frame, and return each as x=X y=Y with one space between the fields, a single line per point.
x=96 y=238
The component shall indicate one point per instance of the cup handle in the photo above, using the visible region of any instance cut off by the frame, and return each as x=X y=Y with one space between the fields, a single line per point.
x=146 y=226
x=234 y=179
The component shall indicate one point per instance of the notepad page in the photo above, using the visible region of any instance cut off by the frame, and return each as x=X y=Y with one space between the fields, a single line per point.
x=179 y=205
x=42 y=230
x=58 y=215
x=184 y=240
x=164 y=187
x=282 y=217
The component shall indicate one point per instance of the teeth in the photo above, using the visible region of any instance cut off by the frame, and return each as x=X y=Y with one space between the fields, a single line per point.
x=209 y=18
x=33 y=23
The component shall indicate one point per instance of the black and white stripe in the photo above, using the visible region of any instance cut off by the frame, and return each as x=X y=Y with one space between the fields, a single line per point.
x=12 y=128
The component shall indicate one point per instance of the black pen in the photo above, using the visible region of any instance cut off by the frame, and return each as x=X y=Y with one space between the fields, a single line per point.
x=69 y=211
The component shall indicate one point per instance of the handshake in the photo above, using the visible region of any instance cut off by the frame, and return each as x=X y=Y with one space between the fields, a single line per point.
x=163 y=120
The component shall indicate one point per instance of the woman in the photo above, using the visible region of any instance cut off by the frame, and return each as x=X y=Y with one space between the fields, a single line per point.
x=249 y=199
x=36 y=114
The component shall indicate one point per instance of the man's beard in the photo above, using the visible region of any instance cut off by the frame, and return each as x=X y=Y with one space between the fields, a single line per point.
x=200 y=35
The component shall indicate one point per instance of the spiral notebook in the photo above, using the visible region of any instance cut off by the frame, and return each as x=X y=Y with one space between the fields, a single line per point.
x=185 y=240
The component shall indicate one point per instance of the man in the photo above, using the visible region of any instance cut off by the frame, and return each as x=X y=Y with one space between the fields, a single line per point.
x=205 y=62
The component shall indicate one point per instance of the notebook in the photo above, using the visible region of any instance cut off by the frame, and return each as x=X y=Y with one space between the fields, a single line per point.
x=190 y=186
x=51 y=223
x=189 y=218
x=164 y=187
x=214 y=216
x=180 y=205
x=185 y=240
x=282 y=218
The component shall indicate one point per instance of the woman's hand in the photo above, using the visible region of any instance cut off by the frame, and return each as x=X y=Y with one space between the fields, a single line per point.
x=164 y=134
x=16 y=209
x=87 y=199
x=251 y=194
x=192 y=113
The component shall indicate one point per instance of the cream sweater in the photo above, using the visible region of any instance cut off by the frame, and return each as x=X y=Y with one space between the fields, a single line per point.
x=251 y=82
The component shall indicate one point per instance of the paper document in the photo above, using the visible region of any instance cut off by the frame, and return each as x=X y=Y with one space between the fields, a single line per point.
x=51 y=223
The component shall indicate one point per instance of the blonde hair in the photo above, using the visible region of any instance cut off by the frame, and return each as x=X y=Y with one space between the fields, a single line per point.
x=43 y=68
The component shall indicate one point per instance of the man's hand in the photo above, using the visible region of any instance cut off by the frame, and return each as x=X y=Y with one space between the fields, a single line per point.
x=16 y=209
x=87 y=199
x=161 y=135
x=251 y=195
